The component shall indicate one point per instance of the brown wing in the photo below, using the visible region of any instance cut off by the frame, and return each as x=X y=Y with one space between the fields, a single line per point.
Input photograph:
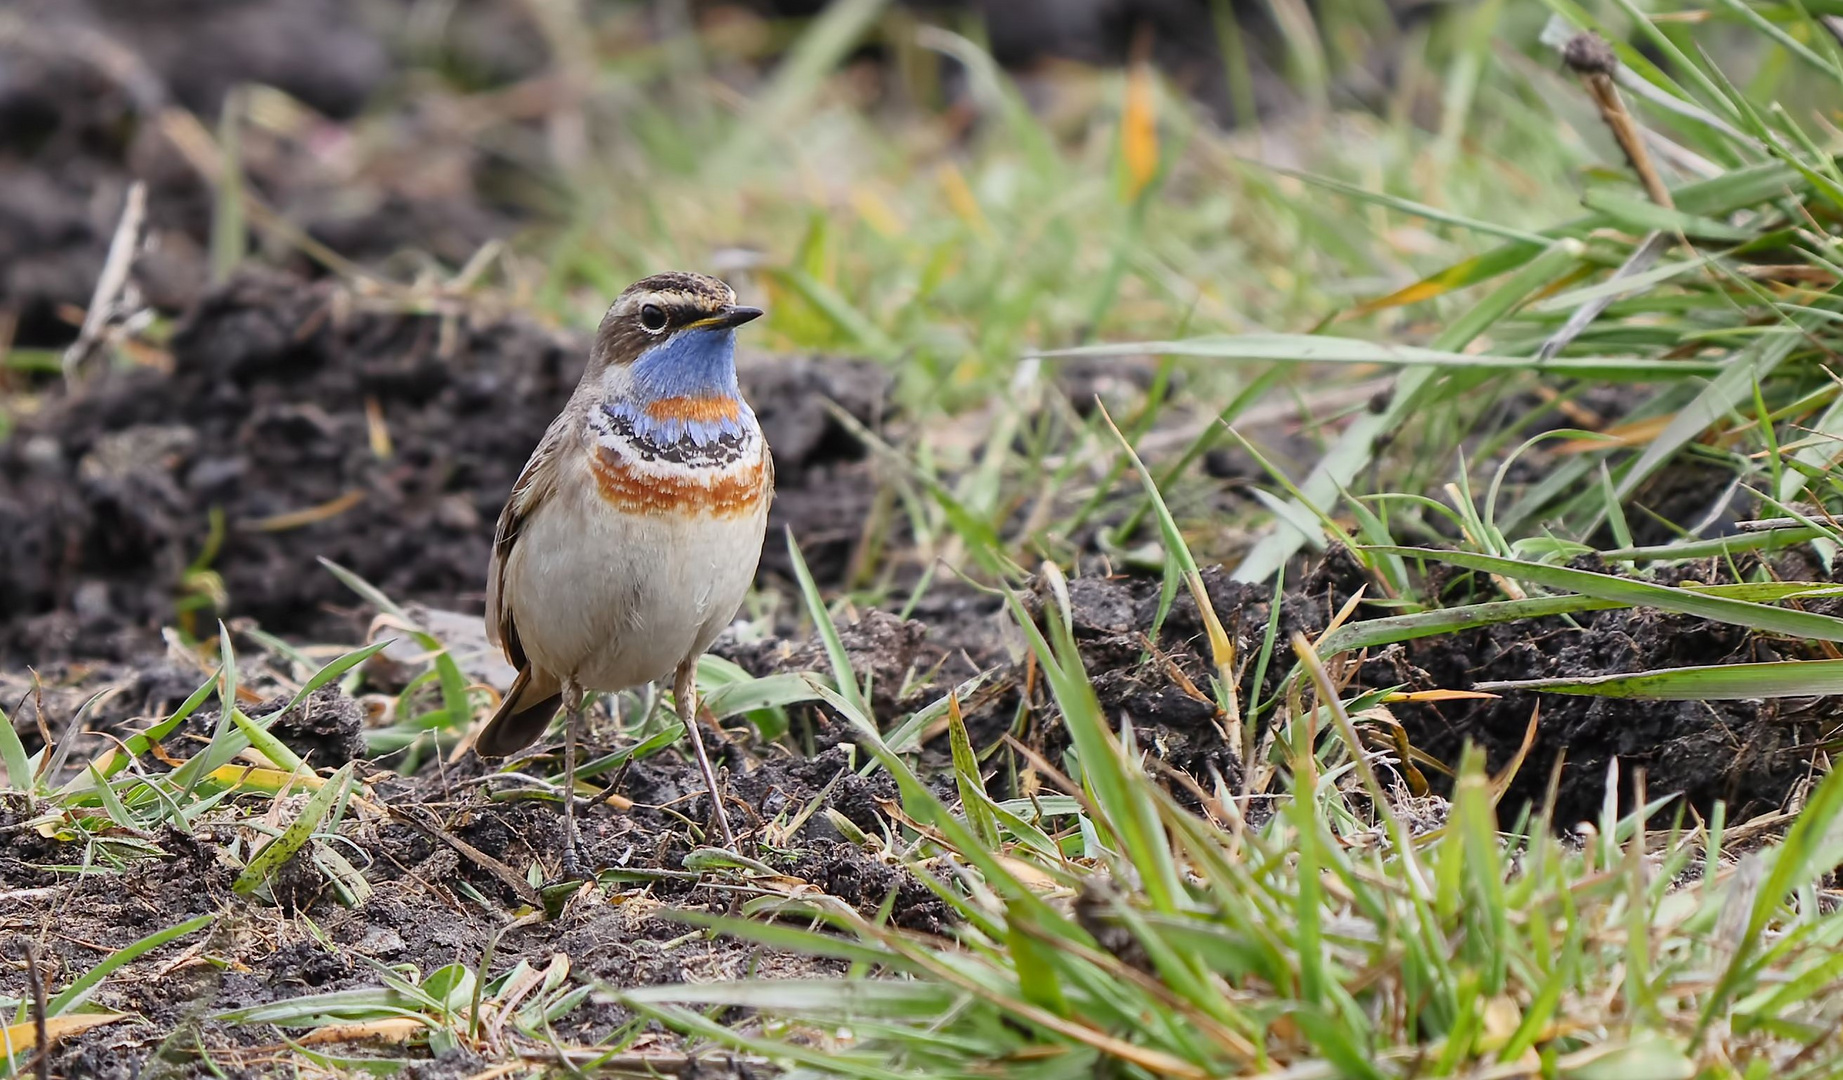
x=534 y=485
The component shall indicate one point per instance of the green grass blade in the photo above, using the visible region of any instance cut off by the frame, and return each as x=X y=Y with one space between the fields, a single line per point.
x=77 y=992
x=973 y=802
x=1642 y=215
x=752 y=694
x=1391 y=629
x=268 y=745
x=1320 y=349
x=455 y=700
x=1714 y=682
x=295 y=837
x=334 y=669
x=370 y=593
x=13 y=757
x=828 y=632
x=1798 y=624
x=839 y=996
x=1533 y=240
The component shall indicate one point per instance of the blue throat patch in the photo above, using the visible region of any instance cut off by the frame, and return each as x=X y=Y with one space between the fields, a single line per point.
x=690 y=364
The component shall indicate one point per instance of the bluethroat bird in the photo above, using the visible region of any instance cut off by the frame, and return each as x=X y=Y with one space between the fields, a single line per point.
x=633 y=533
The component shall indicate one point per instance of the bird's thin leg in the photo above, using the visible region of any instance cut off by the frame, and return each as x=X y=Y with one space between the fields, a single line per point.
x=685 y=696
x=570 y=866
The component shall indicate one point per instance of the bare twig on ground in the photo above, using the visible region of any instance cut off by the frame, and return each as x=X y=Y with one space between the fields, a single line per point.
x=500 y=870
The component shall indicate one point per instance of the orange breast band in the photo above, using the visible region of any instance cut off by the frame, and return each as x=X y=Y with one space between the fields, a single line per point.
x=630 y=490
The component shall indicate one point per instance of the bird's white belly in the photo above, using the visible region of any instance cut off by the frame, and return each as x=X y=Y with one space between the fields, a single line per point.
x=618 y=600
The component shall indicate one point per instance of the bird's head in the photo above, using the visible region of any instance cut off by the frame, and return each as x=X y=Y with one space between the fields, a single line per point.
x=670 y=336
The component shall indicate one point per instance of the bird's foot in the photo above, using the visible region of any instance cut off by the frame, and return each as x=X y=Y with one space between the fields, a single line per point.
x=723 y=829
x=569 y=865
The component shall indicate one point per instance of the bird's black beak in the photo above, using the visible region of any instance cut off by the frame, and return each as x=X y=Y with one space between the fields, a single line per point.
x=730 y=317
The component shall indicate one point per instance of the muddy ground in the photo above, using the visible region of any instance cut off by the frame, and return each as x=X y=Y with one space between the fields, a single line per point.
x=288 y=416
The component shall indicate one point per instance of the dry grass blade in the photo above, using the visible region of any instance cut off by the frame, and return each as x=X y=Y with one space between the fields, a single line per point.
x=92 y=338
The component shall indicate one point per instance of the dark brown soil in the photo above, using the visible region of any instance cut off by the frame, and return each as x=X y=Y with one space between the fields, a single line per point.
x=94 y=97
x=1752 y=755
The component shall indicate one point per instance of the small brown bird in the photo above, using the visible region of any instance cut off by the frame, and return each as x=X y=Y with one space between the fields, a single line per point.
x=633 y=534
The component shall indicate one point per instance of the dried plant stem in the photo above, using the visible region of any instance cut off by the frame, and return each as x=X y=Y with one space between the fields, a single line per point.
x=1589 y=56
x=36 y=979
x=110 y=285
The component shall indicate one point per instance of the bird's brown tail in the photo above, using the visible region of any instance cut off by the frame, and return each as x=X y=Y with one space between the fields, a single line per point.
x=528 y=709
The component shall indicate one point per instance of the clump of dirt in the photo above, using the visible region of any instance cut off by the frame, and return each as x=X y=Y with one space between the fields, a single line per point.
x=825 y=483
x=885 y=651
x=383 y=441
x=326 y=730
x=1751 y=754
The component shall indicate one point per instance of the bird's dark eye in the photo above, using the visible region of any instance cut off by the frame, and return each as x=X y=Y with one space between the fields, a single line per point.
x=652 y=318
